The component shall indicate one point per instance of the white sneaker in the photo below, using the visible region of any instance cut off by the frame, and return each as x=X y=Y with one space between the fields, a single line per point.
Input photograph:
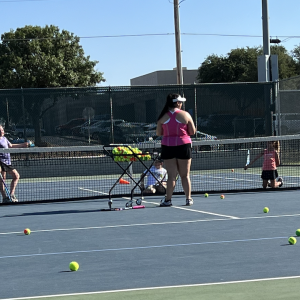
x=189 y=202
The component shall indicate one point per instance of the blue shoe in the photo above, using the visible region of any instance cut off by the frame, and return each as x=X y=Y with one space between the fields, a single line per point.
x=6 y=200
x=165 y=203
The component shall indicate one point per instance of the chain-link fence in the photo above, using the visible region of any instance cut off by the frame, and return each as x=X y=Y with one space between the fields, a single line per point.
x=287 y=117
x=101 y=115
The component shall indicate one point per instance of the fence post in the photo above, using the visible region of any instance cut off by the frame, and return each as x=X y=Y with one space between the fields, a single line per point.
x=111 y=116
x=24 y=118
x=268 y=111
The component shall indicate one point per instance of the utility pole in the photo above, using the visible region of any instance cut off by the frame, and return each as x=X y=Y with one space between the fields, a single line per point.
x=178 y=47
x=265 y=21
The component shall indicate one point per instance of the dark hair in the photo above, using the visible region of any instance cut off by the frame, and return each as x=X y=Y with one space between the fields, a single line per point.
x=169 y=104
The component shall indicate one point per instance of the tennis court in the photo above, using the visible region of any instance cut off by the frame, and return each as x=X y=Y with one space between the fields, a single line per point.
x=216 y=249
x=213 y=242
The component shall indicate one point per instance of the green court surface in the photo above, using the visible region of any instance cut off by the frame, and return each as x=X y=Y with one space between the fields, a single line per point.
x=267 y=289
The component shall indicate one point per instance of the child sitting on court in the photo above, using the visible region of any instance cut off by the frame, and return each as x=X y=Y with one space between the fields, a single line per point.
x=270 y=163
x=160 y=174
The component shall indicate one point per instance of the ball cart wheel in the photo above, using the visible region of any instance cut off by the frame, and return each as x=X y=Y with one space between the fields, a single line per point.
x=128 y=204
x=138 y=201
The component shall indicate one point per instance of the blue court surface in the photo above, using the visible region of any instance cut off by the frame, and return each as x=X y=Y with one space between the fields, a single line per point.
x=214 y=241
x=40 y=189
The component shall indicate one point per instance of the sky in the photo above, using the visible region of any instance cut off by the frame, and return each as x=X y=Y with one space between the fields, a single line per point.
x=130 y=38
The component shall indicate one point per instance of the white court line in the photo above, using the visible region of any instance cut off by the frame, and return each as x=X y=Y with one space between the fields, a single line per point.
x=143 y=247
x=97 y=192
x=205 y=212
x=158 y=288
x=198 y=211
x=147 y=224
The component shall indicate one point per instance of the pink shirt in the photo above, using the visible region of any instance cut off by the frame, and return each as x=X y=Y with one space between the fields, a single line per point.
x=269 y=160
x=174 y=132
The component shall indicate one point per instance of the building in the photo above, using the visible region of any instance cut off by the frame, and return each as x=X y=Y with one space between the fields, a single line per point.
x=165 y=77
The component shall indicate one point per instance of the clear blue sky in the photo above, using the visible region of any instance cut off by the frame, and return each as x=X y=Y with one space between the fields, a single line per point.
x=123 y=58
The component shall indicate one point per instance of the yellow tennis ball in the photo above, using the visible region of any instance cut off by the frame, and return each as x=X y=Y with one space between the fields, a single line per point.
x=205 y=195
x=298 y=232
x=292 y=240
x=266 y=210
x=74 y=266
x=222 y=196
x=27 y=231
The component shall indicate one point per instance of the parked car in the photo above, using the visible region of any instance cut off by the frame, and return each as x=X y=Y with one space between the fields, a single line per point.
x=66 y=128
x=99 y=127
x=219 y=123
x=150 y=130
x=19 y=131
x=199 y=136
x=124 y=133
x=79 y=130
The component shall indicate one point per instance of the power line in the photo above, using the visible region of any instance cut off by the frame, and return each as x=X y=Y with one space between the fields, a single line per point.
x=155 y=34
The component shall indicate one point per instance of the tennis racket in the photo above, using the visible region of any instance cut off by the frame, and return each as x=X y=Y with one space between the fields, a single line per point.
x=5 y=187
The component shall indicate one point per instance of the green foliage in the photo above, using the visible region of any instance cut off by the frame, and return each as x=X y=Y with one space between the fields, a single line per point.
x=296 y=56
x=240 y=65
x=36 y=57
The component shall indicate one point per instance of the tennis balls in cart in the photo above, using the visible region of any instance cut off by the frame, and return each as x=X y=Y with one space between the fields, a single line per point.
x=205 y=195
x=292 y=240
x=27 y=231
x=266 y=210
x=222 y=197
x=298 y=232
x=74 y=266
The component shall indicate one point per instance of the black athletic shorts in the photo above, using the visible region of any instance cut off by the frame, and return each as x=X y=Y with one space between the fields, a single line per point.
x=269 y=175
x=180 y=152
x=5 y=167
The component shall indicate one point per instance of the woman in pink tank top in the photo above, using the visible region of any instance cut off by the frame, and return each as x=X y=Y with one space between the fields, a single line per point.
x=270 y=163
x=176 y=126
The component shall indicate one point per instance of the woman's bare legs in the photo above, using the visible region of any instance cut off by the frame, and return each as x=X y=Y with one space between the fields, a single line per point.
x=184 y=166
x=171 y=167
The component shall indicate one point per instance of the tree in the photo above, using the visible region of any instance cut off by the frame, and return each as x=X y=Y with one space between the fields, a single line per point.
x=240 y=65
x=296 y=56
x=36 y=57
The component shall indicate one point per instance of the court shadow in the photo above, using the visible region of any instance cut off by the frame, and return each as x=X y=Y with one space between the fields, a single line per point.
x=54 y=212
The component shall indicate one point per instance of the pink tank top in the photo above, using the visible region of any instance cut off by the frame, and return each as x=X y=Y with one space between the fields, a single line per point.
x=175 y=133
x=269 y=160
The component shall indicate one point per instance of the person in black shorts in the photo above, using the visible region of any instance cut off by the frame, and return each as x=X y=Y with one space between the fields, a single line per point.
x=176 y=126
x=269 y=173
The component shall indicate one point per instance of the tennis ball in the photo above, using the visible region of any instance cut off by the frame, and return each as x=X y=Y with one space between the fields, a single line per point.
x=232 y=170
x=298 y=232
x=222 y=196
x=27 y=231
x=205 y=195
x=266 y=210
x=74 y=266
x=292 y=240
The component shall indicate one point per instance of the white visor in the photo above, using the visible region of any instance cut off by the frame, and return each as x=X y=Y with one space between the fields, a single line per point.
x=179 y=98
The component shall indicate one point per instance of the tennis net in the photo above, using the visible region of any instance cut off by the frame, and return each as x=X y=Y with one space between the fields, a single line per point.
x=89 y=172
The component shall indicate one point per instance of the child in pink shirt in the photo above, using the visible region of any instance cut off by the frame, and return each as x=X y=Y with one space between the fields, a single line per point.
x=270 y=163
